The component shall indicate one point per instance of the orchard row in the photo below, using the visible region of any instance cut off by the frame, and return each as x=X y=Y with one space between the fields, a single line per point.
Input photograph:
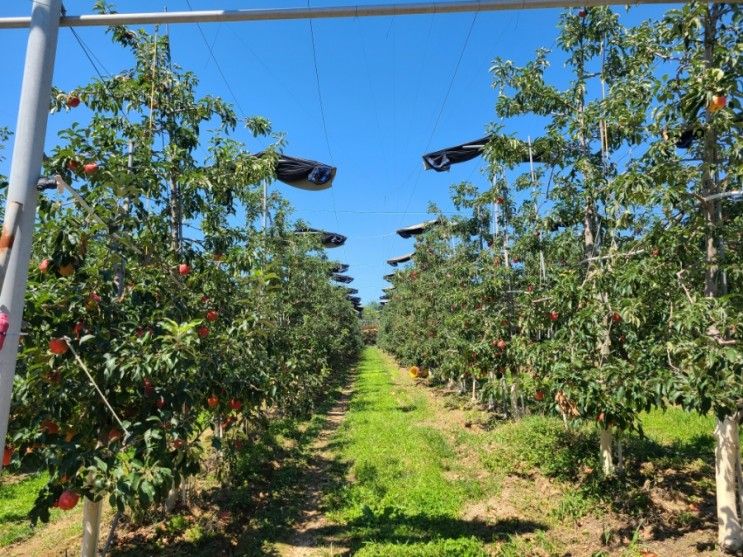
x=158 y=316
x=601 y=272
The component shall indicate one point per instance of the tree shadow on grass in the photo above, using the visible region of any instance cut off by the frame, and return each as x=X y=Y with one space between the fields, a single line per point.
x=391 y=526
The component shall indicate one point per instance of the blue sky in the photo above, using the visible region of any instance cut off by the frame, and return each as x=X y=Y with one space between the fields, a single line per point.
x=384 y=84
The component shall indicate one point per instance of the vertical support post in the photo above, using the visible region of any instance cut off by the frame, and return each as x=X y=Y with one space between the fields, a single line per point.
x=28 y=151
x=265 y=206
x=91 y=527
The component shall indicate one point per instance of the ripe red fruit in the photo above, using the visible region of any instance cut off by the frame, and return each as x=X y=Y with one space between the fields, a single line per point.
x=554 y=316
x=90 y=168
x=501 y=344
x=114 y=434
x=530 y=289
x=73 y=101
x=500 y=200
x=149 y=388
x=58 y=346
x=183 y=269
x=95 y=297
x=539 y=395
x=7 y=455
x=160 y=403
x=212 y=315
x=78 y=328
x=178 y=443
x=68 y=500
x=49 y=427
x=204 y=299
x=582 y=13
x=718 y=102
x=44 y=265
x=54 y=377
x=235 y=404
x=601 y=418
x=616 y=318
x=73 y=165
x=213 y=401
x=203 y=331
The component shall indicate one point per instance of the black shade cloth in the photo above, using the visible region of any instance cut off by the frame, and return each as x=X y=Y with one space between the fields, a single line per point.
x=388 y=288
x=355 y=299
x=342 y=278
x=351 y=290
x=389 y=277
x=416 y=229
x=339 y=268
x=402 y=259
x=441 y=160
x=384 y=299
x=304 y=174
x=328 y=240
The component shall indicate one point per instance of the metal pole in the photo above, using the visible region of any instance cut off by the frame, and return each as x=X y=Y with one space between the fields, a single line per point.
x=28 y=151
x=272 y=14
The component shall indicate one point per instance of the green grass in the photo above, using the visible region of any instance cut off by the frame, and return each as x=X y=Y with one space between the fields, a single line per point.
x=16 y=500
x=408 y=487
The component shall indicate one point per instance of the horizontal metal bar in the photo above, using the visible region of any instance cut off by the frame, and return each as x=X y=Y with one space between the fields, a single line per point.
x=411 y=8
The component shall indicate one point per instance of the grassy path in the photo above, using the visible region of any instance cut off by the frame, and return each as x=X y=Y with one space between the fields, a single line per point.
x=413 y=471
x=404 y=488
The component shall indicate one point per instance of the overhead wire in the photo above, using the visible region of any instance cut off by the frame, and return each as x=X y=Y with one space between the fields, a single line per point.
x=443 y=103
x=217 y=64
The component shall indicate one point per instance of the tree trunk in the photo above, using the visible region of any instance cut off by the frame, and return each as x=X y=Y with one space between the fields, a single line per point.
x=91 y=527
x=729 y=533
x=607 y=462
x=515 y=408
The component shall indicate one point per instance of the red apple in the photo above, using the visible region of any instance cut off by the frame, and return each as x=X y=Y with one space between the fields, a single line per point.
x=90 y=168
x=114 y=434
x=212 y=315
x=203 y=331
x=500 y=200
x=183 y=269
x=160 y=403
x=44 y=265
x=73 y=101
x=235 y=404
x=539 y=395
x=212 y=401
x=501 y=344
x=73 y=165
x=616 y=318
x=582 y=13
x=95 y=297
x=7 y=455
x=78 y=328
x=68 y=500
x=554 y=316
x=58 y=346
x=149 y=388
x=49 y=427
x=178 y=443
x=718 y=102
